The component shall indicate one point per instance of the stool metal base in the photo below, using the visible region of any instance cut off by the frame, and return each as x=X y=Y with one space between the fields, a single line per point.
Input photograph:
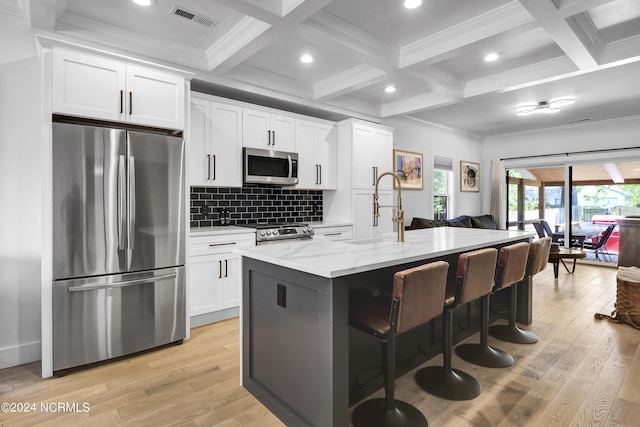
x=512 y=333
x=374 y=413
x=451 y=384
x=484 y=355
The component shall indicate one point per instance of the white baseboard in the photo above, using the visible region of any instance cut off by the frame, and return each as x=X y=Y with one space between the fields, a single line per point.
x=19 y=355
x=216 y=316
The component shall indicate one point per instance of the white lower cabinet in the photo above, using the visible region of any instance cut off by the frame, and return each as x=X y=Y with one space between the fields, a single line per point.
x=364 y=224
x=214 y=280
x=336 y=232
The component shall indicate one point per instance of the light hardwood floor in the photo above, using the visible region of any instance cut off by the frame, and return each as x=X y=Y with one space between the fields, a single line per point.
x=582 y=372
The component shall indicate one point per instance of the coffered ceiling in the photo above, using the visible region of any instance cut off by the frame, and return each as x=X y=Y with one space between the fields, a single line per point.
x=585 y=49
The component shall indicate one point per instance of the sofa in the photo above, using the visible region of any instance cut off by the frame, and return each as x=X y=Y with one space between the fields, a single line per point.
x=467 y=221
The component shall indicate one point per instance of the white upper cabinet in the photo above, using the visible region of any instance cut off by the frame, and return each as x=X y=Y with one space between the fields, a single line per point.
x=372 y=156
x=316 y=146
x=215 y=143
x=263 y=129
x=97 y=87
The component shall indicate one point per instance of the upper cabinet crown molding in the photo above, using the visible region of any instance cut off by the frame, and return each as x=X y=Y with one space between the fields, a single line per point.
x=108 y=88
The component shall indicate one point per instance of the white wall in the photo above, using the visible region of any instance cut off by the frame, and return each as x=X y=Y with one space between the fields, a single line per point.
x=604 y=135
x=433 y=141
x=20 y=211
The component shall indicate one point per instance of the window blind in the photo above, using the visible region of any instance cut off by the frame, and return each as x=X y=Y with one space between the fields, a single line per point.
x=443 y=163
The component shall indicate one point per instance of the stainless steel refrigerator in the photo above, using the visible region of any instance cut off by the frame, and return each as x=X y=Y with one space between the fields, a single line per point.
x=118 y=242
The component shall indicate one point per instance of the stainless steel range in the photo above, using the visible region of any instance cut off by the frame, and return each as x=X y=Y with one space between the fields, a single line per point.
x=281 y=232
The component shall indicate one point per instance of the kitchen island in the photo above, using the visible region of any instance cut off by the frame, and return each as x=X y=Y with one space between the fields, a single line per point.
x=296 y=349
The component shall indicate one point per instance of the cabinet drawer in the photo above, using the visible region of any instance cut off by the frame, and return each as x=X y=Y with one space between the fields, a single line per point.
x=334 y=233
x=209 y=245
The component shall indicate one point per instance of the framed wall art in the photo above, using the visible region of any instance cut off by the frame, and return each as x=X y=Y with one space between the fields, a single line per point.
x=408 y=166
x=469 y=176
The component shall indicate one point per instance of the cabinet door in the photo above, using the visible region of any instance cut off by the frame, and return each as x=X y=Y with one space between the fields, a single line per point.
x=255 y=129
x=226 y=145
x=282 y=133
x=200 y=137
x=231 y=281
x=326 y=155
x=205 y=293
x=307 y=165
x=154 y=98
x=364 y=172
x=382 y=156
x=363 y=222
x=88 y=86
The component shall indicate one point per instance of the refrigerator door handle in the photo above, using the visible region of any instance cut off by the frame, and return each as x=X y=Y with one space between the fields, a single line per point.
x=121 y=203
x=121 y=284
x=131 y=196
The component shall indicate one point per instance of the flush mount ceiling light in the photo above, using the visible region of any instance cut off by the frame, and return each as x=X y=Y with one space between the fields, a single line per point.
x=543 y=107
x=490 y=57
x=412 y=4
x=306 y=58
x=390 y=89
x=143 y=2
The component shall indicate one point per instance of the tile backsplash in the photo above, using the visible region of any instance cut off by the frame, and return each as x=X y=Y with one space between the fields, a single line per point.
x=247 y=205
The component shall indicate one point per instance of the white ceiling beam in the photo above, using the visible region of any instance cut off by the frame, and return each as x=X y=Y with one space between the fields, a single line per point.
x=520 y=77
x=230 y=49
x=576 y=43
x=414 y=104
x=573 y=7
x=621 y=50
x=493 y=22
x=272 y=81
x=614 y=173
x=440 y=82
x=336 y=34
x=43 y=13
x=352 y=79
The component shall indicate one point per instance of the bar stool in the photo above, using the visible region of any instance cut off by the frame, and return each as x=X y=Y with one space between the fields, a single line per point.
x=418 y=296
x=536 y=262
x=477 y=268
x=444 y=381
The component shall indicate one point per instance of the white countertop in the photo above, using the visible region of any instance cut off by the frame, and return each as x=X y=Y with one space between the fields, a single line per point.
x=220 y=230
x=334 y=259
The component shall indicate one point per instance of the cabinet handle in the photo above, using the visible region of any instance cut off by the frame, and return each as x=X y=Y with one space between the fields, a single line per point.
x=121 y=101
x=214 y=167
x=212 y=245
x=320 y=174
x=268 y=137
x=130 y=103
x=208 y=166
x=373 y=170
x=226 y=268
x=274 y=137
x=219 y=269
x=332 y=234
x=375 y=218
x=316 y=174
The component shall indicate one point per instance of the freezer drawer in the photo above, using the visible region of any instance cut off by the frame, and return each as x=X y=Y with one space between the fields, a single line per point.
x=100 y=318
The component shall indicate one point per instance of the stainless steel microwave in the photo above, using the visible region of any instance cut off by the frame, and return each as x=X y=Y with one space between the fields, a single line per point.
x=270 y=167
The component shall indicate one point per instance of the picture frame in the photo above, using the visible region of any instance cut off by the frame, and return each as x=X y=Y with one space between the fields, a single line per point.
x=469 y=176
x=408 y=165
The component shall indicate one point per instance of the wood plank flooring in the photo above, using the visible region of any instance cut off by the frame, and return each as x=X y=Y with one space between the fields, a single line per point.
x=582 y=372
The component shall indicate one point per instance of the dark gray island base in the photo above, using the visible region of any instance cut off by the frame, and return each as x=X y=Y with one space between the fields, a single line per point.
x=300 y=358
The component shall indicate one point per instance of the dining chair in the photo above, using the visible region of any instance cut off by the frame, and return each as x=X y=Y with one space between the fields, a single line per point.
x=539 y=229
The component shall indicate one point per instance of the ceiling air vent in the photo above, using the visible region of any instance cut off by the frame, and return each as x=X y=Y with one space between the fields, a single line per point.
x=192 y=16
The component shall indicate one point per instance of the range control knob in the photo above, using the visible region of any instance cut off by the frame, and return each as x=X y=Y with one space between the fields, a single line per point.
x=262 y=233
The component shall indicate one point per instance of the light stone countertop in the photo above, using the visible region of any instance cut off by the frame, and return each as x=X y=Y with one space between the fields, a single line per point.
x=326 y=224
x=331 y=259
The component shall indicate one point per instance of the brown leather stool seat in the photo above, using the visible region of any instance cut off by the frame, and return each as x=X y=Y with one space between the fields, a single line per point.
x=418 y=296
x=477 y=268
x=538 y=256
x=473 y=279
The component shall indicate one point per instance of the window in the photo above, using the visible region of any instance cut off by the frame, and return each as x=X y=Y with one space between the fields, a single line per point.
x=442 y=178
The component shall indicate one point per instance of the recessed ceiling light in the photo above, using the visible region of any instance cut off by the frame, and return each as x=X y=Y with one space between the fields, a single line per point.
x=490 y=57
x=412 y=4
x=306 y=58
x=143 y=2
x=390 y=89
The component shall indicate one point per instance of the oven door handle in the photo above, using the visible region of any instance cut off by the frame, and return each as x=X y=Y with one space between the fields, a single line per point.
x=122 y=284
